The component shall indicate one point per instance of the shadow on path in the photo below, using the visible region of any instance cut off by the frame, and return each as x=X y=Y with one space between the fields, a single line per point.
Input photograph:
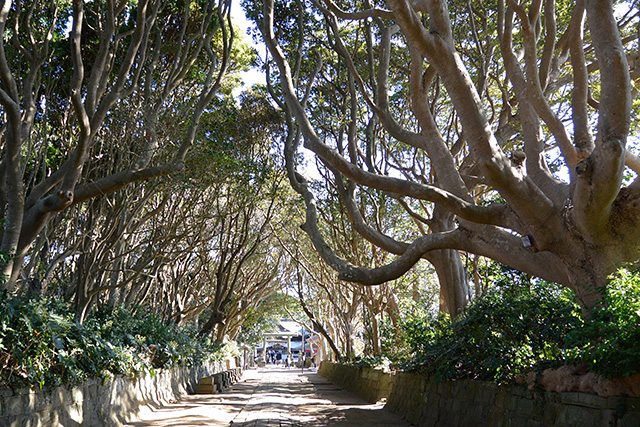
x=272 y=397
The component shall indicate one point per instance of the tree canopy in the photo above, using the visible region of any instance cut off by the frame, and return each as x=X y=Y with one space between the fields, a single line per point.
x=465 y=151
x=502 y=129
x=85 y=88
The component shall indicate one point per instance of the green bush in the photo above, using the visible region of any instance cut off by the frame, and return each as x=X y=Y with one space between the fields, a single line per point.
x=526 y=326
x=159 y=345
x=609 y=342
x=507 y=332
x=41 y=344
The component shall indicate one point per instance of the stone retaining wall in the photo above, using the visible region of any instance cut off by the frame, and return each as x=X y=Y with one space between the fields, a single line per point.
x=98 y=403
x=371 y=384
x=426 y=402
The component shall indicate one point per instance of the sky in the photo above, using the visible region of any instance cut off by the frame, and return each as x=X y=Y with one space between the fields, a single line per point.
x=254 y=75
x=257 y=76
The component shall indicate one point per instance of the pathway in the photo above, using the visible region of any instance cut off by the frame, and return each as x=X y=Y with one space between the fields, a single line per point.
x=272 y=397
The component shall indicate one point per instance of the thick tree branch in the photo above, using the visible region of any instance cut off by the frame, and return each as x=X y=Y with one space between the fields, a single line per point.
x=438 y=49
x=414 y=252
x=582 y=129
x=600 y=175
x=359 y=15
x=456 y=205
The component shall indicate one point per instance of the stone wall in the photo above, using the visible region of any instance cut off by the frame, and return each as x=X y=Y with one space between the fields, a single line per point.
x=371 y=384
x=98 y=403
x=426 y=402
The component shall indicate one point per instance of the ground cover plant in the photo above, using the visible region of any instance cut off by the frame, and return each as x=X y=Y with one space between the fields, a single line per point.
x=42 y=345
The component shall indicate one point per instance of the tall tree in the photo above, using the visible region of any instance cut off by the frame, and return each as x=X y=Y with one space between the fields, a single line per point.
x=169 y=243
x=470 y=99
x=67 y=70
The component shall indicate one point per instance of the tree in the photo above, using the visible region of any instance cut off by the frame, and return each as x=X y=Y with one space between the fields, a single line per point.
x=197 y=240
x=265 y=317
x=467 y=101
x=76 y=76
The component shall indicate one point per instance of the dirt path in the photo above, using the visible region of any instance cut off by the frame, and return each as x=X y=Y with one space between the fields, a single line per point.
x=272 y=397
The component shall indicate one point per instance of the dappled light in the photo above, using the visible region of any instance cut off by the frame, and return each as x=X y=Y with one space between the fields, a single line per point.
x=433 y=204
x=273 y=397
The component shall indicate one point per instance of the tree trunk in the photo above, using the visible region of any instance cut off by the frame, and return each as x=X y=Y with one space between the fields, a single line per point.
x=452 y=275
x=375 y=335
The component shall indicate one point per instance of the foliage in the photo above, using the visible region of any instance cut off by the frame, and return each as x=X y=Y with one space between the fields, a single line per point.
x=41 y=344
x=162 y=345
x=507 y=332
x=265 y=317
x=609 y=342
x=524 y=325
x=377 y=361
x=235 y=140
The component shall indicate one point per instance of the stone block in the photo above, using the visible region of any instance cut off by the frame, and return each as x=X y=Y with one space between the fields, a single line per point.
x=616 y=402
x=456 y=405
x=32 y=421
x=417 y=382
x=500 y=399
x=518 y=420
x=587 y=400
x=23 y=391
x=430 y=386
x=632 y=404
x=92 y=391
x=14 y=405
x=385 y=384
x=495 y=416
x=486 y=397
x=12 y=421
x=573 y=416
x=75 y=414
x=521 y=391
x=442 y=388
x=606 y=418
x=206 y=381
x=525 y=406
x=218 y=379
x=511 y=401
x=391 y=406
x=550 y=412
x=366 y=373
x=539 y=405
x=77 y=395
x=42 y=402
x=412 y=416
x=628 y=420
x=445 y=417
x=207 y=389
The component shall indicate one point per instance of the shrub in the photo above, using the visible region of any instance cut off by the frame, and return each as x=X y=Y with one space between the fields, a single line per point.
x=157 y=344
x=609 y=342
x=507 y=332
x=41 y=344
x=522 y=327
